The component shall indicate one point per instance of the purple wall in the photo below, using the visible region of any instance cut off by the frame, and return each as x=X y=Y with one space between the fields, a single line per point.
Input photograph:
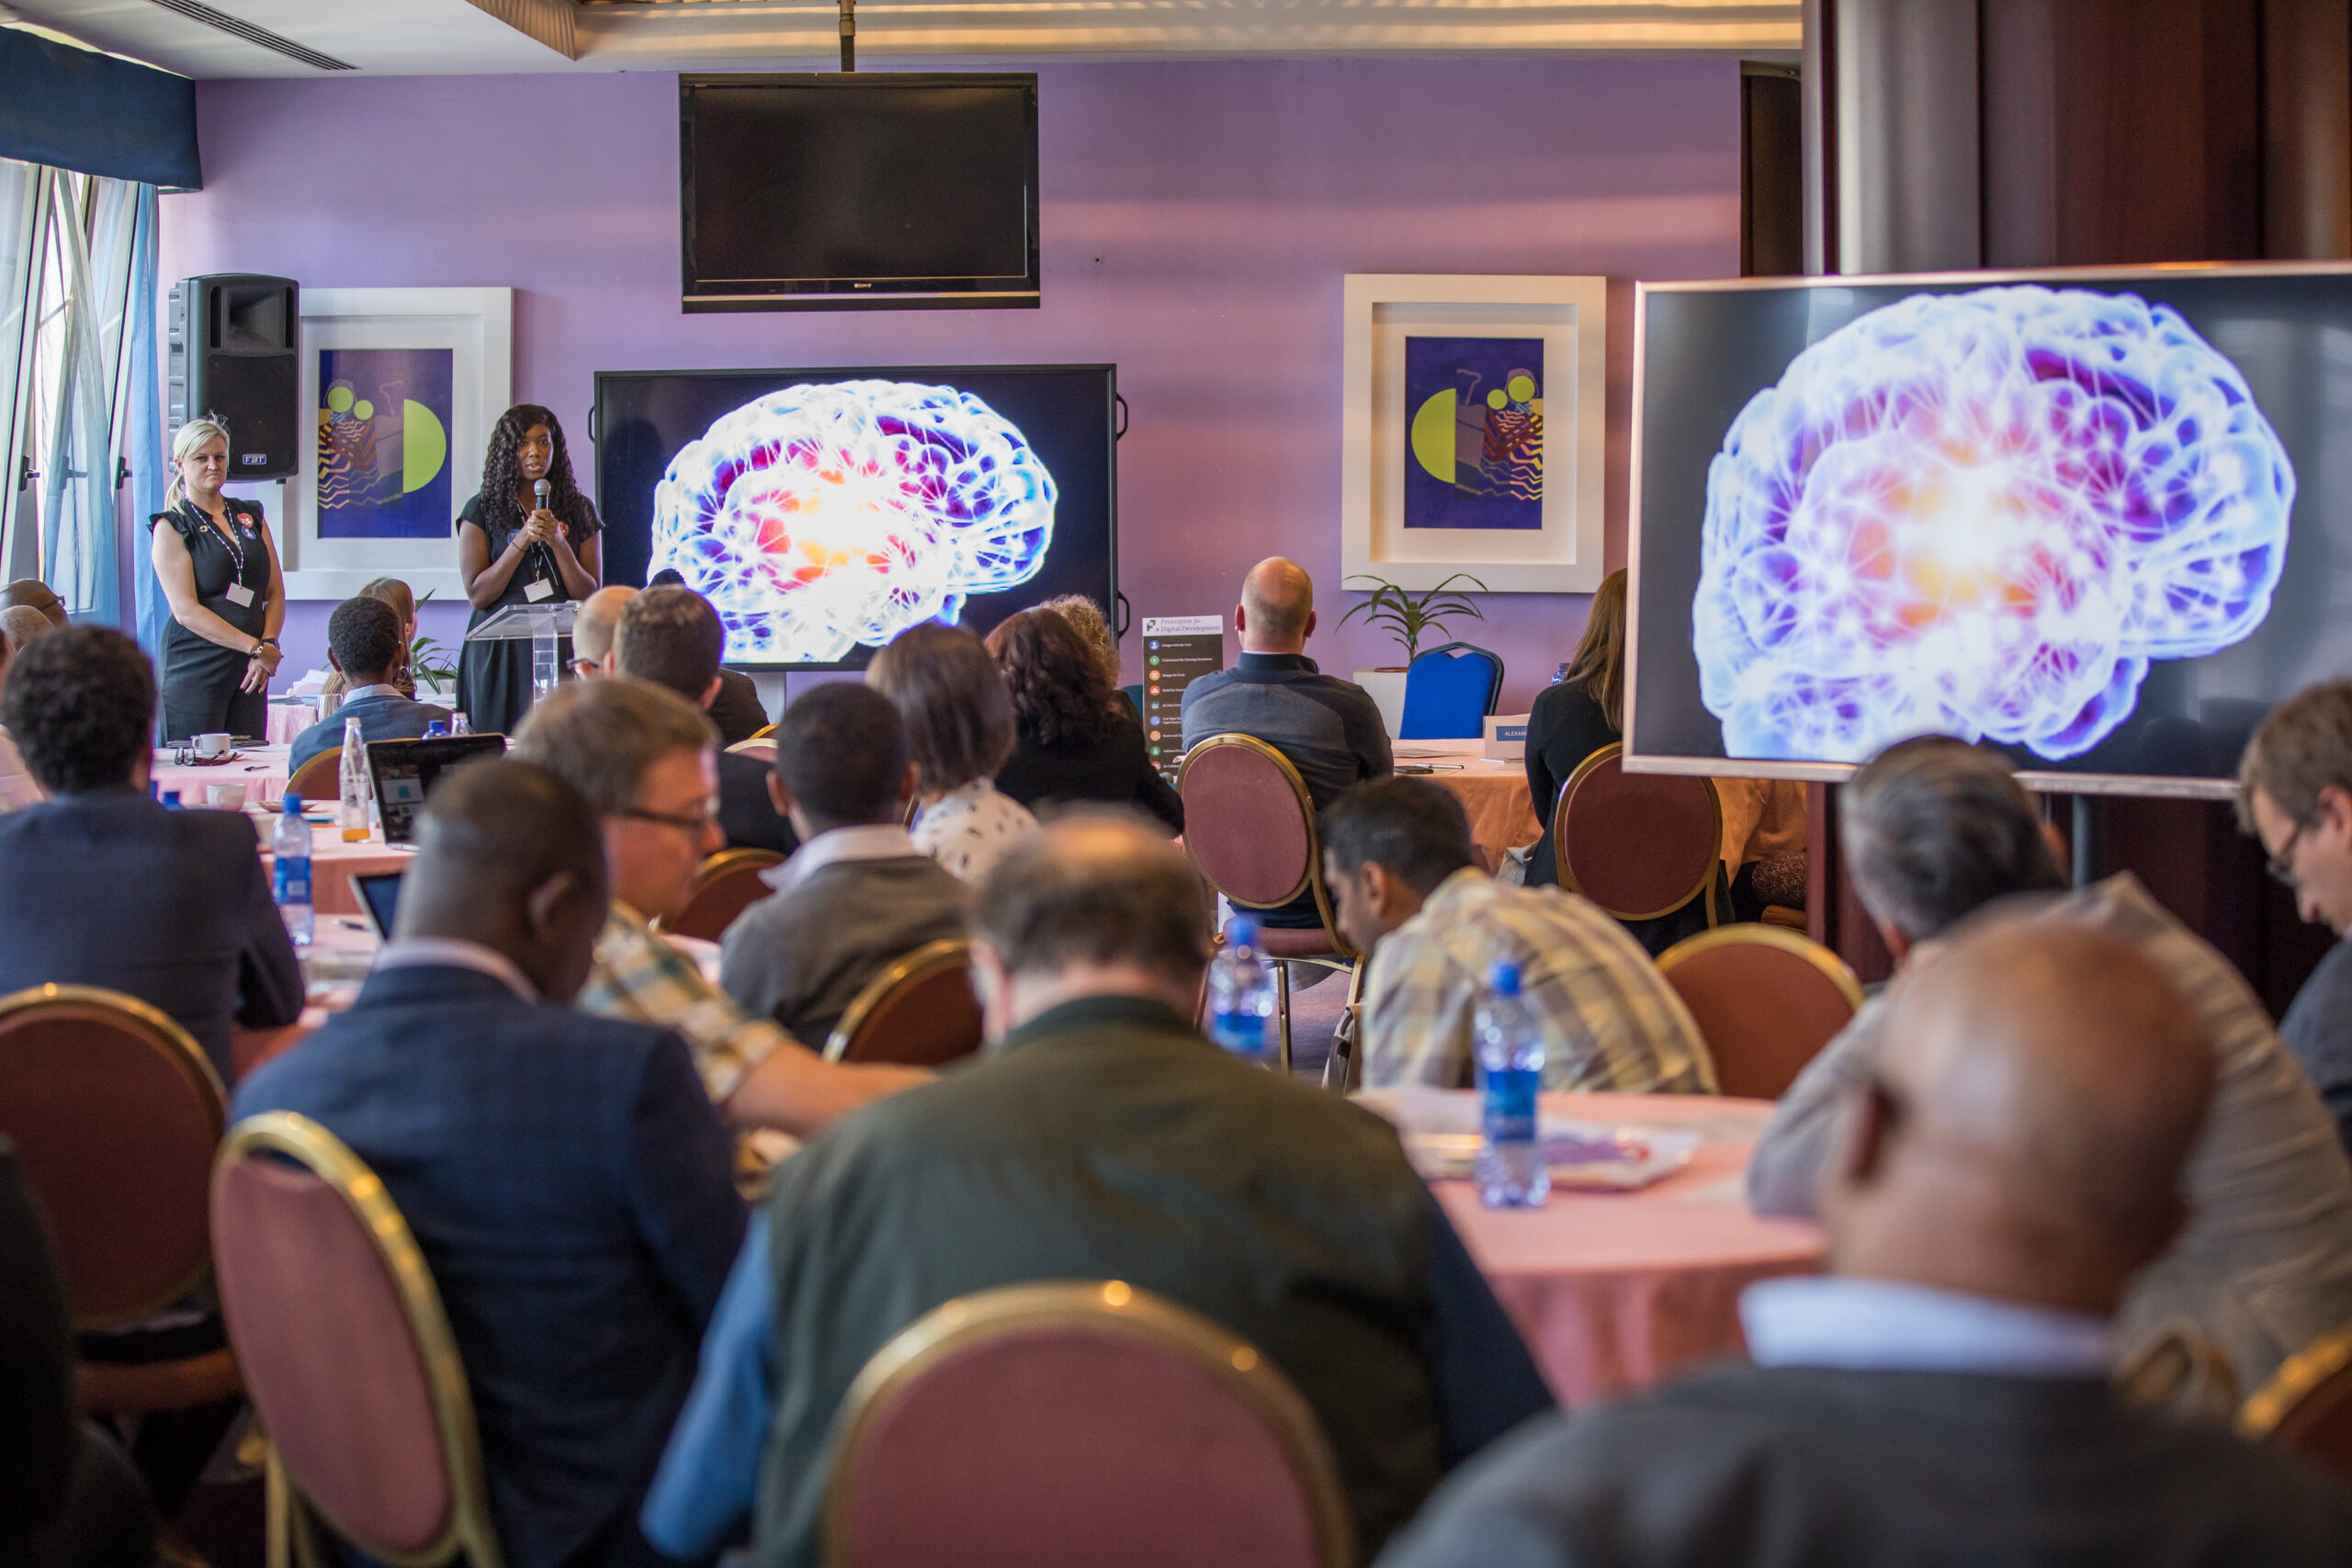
x=1197 y=218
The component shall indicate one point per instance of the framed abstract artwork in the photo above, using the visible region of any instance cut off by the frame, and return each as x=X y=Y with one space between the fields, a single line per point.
x=403 y=386
x=1474 y=430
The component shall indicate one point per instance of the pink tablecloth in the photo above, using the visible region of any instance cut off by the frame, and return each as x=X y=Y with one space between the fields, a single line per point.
x=334 y=863
x=1495 y=795
x=1614 y=1291
x=289 y=718
x=261 y=769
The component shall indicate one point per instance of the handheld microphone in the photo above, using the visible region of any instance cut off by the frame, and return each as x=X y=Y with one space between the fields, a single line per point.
x=540 y=494
x=547 y=557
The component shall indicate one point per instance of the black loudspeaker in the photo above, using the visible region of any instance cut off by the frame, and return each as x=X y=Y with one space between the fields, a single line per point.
x=234 y=340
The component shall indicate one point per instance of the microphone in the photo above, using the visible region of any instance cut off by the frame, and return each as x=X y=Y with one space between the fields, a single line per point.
x=540 y=494
x=547 y=557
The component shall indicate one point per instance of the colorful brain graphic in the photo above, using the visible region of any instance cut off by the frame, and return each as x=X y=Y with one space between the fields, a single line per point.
x=1982 y=514
x=826 y=516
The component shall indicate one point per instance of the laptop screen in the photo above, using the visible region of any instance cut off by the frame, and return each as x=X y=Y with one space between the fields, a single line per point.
x=403 y=772
x=379 y=896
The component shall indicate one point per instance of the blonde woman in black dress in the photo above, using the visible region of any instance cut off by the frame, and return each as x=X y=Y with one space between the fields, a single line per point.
x=218 y=569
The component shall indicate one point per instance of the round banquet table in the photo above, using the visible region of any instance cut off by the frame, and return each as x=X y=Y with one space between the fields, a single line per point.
x=1495 y=795
x=261 y=769
x=334 y=863
x=1614 y=1291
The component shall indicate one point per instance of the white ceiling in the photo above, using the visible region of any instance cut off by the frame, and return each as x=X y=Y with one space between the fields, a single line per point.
x=448 y=38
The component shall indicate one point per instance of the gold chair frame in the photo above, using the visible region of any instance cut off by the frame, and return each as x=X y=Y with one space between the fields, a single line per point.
x=332 y=758
x=1340 y=1070
x=760 y=743
x=1749 y=934
x=714 y=866
x=2299 y=1377
x=469 y=1529
x=1706 y=883
x=1233 y=1361
x=162 y=1033
x=908 y=969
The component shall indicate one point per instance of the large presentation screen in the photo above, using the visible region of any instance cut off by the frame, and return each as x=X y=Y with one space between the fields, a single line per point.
x=2097 y=519
x=825 y=511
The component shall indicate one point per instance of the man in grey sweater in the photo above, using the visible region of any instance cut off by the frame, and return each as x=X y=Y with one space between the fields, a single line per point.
x=857 y=894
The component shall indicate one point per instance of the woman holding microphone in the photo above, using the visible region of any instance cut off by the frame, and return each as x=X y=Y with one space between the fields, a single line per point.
x=529 y=537
x=219 y=569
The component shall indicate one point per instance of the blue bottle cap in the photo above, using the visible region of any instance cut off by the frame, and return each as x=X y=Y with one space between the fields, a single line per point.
x=1503 y=978
x=293 y=804
x=1242 y=931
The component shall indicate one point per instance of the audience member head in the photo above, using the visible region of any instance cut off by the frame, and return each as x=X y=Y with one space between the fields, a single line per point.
x=364 y=640
x=957 y=714
x=672 y=637
x=841 y=760
x=1097 y=902
x=646 y=761
x=592 y=628
x=23 y=626
x=80 y=704
x=508 y=855
x=1386 y=845
x=1936 y=828
x=1085 y=618
x=1598 y=667
x=2295 y=794
x=2023 y=1134
x=400 y=596
x=32 y=593
x=668 y=577
x=1054 y=678
x=1277 y=613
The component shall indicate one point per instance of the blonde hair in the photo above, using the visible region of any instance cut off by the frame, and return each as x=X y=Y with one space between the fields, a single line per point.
x=185 y=441
x=397 y=595
x=1086 y=617
x=1600 y=664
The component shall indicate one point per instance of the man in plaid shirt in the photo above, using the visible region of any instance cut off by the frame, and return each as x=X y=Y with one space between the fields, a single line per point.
x=644 y=758
x=1396 y=854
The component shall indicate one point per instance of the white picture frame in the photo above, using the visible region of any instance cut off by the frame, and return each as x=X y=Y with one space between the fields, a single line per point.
x=1571 y=315
x=477 y=326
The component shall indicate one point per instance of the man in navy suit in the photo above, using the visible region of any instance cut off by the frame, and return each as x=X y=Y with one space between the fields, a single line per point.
x=170 y=906
x=565 y=1176
x=363 y=642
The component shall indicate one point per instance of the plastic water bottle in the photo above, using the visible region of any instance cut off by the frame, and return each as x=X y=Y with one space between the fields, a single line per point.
x=1510 y=1170
x=1241 y=994
x=436 y=730
x=352 y=811
x=291 y=846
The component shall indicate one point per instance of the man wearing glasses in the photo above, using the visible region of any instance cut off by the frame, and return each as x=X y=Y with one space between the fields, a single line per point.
x=644 y=758
x=2295 y=794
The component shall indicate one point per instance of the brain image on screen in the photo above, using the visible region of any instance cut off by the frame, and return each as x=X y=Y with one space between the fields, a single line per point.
x=826 y=516
x=1981 y=515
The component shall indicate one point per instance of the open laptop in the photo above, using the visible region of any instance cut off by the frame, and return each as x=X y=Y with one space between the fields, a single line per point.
x=403 y=772
x=379 y=898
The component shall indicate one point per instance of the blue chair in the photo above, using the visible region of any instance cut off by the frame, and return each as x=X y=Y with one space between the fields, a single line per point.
x=1449 y=692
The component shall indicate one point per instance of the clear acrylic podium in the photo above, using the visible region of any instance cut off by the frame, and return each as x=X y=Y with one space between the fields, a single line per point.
x=540 y=625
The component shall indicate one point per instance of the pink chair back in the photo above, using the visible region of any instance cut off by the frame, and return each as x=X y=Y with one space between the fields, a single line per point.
x=1766 y=1000
x=347 y=1353
x=724 y=886
x=1074 y=1425
x=1249 y=824
x=116 y=1113
x=1640 y=845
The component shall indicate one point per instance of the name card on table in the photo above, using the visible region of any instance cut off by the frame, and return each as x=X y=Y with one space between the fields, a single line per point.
x=1506 y=738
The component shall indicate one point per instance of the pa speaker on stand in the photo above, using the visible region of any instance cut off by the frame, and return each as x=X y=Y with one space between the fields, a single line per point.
x=236 y=339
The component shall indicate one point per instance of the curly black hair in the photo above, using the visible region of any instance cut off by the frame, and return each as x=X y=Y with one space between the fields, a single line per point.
x=1057 y=679
x=80 y=706
x=363 y=635
x=502 y=471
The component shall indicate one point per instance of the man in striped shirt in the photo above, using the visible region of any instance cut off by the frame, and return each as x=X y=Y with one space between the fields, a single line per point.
x=1396 y=854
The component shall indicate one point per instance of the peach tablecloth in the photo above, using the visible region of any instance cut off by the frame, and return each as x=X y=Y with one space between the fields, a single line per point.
x=334 y=863
x=1615 y=1292
x=1495 y=795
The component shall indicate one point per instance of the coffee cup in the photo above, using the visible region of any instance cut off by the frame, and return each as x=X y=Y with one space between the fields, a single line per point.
x=212 y=745
x=225 y=796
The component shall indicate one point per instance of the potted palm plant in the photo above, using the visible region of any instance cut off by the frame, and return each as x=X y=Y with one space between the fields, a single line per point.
x=429 y=664
x=1408 y=617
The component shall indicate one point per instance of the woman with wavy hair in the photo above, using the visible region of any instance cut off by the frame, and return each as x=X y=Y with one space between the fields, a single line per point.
x=513 y=550
x=1075 y=737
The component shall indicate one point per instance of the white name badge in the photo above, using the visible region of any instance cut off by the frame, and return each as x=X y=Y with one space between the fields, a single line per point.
x=240 y=595
x=538 y=587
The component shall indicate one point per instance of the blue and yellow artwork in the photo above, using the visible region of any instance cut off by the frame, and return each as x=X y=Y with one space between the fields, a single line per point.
x=1475 y=454
x=384 y=443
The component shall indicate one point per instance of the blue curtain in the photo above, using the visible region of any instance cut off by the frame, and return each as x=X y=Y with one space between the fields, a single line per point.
x=142 y=422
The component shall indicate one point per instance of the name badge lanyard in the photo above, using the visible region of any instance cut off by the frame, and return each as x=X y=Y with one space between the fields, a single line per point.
x=229 y=537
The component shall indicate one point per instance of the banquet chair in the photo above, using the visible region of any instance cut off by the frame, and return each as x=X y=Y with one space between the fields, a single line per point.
x=918 y=1012
x=1250 y=830
x=765 y=732
x=115 y=1112
x=321 y=778
x=2307 y=1405
x=1078 y=1423
x=1767 y=999
x=1640 y=845
x=353 y=1369
x=762 y=746
x=724 y=886
x=1449 y=692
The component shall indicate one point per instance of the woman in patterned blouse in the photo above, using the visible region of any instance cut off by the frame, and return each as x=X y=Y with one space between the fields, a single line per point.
x=958 y=717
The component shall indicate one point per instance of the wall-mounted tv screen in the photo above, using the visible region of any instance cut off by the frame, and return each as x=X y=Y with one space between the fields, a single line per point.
x=2101 y=519
x=824 y=511
x=870 y=191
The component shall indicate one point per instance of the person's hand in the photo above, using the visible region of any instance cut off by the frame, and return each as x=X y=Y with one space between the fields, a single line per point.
x=256 y=678
x=271 y=657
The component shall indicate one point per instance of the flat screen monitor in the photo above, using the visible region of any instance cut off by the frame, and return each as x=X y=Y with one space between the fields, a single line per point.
x=824 y=511
x=889 y=190
x=2099 y=519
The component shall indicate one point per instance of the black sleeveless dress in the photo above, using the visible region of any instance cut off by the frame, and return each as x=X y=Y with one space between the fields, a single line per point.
x=200 y=677
x=495 y=678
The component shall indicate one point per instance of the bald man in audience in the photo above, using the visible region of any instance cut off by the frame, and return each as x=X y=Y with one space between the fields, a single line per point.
x=32 y=593
x=1329 y=728
x=1934 y=831
x=565 y=1176
x=2013 y=1160
x=592 y=625
x=1099 y=1137
x=24 y=625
